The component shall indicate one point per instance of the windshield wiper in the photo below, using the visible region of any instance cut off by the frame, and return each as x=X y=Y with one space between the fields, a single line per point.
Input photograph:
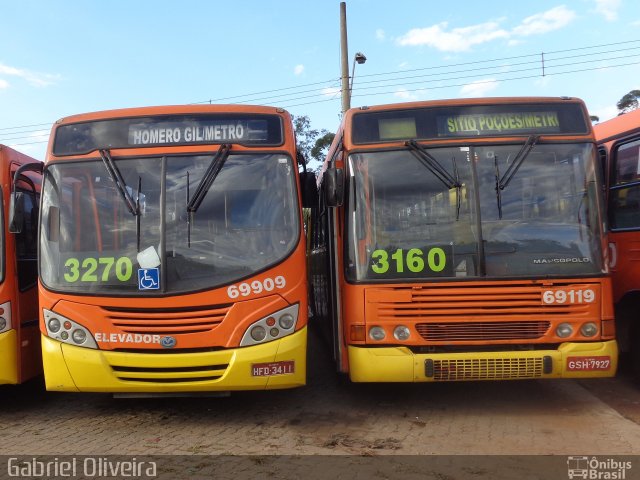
x=518 y=160
x=503 y=182
x=116 y=176
x=217 y=162
x=438 y=170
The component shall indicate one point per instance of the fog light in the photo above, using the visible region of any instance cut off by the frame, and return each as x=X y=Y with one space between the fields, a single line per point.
x=286 y=321
x=78 y=336
x=274 y=332
x=401 y=332
x=377 y=333
x=564 y=330
x=589 y=329
x=54 y=325
x=258 y=333
x=3 y=323
x=64 y=335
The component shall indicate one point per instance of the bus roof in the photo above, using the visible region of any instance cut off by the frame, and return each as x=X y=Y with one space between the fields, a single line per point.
x=12 y=154
x=463 y=101
x=169 y=110
x=457 y=119
x=171 y=125
x=617 y=127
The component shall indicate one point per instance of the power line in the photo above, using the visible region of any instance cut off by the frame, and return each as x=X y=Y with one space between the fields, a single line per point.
x=543 y=61
x=467 y=83
x=45 y=133
x=26 y=126
x=535 y=59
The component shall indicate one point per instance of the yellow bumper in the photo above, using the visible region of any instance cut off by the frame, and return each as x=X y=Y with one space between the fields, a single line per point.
x=261 y=367
x=9 y=357
x=399 y=364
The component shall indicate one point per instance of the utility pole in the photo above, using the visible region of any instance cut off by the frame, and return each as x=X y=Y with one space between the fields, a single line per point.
x=344 y=59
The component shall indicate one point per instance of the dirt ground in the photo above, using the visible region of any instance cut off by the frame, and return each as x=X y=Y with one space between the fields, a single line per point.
x=334 y=429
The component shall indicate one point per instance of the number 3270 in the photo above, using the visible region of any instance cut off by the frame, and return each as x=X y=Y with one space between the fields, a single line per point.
x=97 y=269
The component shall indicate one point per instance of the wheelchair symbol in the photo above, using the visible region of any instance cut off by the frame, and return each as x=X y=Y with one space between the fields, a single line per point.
x=148 y=279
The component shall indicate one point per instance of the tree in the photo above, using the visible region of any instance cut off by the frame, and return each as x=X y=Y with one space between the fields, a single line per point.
x=312 y=143
x=629 y=102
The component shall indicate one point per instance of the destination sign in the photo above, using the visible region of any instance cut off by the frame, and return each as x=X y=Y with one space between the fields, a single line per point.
x=168 y=130
x=487 y=124
x=164 y=133
x=564 y=117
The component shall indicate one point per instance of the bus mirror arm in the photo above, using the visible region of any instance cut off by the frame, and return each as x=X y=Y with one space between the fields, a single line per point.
x=333 y=178
x=309 y=189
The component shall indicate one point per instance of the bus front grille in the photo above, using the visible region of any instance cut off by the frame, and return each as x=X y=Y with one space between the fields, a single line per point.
x=168 y=321
x=489 y=312
x=484 y=369
x=478 y=331
x=184 y=374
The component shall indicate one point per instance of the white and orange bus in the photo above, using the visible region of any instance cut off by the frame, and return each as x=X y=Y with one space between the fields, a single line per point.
x=19 y=334
x=172 y=256
x=619 y=143
x=464 y=240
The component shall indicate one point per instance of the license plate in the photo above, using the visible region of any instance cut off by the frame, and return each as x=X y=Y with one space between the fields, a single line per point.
x=273 y=368
x=588 y=363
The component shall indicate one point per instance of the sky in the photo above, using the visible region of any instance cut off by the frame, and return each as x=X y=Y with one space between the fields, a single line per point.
x=67 y=57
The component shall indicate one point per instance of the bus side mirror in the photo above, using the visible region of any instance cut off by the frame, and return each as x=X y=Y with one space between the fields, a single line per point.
x=309 y=189
x=333 y=180
x=16 y=212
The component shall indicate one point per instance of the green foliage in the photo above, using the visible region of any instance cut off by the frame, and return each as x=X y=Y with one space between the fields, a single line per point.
x=320 y=148
x=312 y=143
x=629 y=102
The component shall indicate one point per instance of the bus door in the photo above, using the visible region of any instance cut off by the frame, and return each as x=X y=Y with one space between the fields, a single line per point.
x=26 y=263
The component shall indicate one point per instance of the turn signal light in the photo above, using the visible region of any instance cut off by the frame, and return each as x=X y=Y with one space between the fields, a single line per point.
x=358 y=333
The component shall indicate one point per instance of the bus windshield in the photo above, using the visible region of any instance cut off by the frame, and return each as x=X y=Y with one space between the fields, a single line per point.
x=246 y=222
x=406 y=223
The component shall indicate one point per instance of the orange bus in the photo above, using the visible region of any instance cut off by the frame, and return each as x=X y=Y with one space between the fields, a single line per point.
x=172 y=257
x=19 y=334
x=464 y=240
x=619 y=143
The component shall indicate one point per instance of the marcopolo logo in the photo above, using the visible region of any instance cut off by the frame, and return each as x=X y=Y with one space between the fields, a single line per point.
x=168 y=341
x=594 y=468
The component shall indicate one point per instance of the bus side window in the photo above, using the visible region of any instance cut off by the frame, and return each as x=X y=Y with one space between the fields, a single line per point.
x=624 y=198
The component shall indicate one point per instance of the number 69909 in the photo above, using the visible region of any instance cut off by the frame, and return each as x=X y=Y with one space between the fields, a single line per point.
x=256 y=287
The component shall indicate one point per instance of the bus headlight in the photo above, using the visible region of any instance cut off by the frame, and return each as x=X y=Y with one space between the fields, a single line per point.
x=3 y=323
x=286 y=321
x=401 y=333
x=277 y=325
x=564 y=330
x=53 y=325
x=66 y=330
x=377 y=333
x=78 y=336
x=589 y=329
x=258 y=333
